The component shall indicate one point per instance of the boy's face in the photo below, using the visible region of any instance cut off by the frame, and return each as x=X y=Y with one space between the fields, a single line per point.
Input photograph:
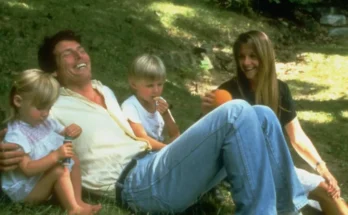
x=147 y=90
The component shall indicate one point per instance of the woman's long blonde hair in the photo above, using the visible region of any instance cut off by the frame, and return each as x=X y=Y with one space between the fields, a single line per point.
x=267 y=89
x=40 y=88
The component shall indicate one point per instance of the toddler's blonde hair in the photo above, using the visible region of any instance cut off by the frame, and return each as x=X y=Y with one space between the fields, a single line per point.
x=40 y=88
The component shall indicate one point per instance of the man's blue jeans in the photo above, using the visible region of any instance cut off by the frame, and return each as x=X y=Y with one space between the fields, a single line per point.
x=241 y=142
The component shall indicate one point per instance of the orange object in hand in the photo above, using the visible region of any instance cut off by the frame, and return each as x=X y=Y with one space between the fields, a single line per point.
x=222 y=96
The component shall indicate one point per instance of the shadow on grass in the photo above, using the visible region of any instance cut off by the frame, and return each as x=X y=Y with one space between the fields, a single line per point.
x=305 y=88
x=330 y=133
x=329 y=137
x=334 y=107
x=114 y=32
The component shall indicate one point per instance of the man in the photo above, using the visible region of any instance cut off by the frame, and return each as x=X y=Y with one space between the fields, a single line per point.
x=237 y=141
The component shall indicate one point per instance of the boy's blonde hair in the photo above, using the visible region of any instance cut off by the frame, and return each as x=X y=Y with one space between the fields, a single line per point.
x=40 y=88
x=148 y=67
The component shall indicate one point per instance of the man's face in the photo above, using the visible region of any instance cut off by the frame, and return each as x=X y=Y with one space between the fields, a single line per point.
x=73 y=63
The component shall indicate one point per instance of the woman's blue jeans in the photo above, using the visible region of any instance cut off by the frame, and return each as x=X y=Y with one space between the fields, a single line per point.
x=241 y=142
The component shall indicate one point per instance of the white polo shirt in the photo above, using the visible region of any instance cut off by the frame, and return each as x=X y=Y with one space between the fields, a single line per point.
x=107 y=142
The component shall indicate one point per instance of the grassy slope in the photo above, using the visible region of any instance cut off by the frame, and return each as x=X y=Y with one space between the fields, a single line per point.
x=116 y=31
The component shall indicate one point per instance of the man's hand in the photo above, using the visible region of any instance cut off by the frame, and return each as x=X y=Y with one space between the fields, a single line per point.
x=9 y=156
x=73 y=131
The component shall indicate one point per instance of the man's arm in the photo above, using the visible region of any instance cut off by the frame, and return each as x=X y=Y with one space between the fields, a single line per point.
x=10 y=157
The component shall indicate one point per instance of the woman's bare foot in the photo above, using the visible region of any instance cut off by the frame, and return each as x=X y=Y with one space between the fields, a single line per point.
x=80 y=211
x=342 y=206
x=93 y=208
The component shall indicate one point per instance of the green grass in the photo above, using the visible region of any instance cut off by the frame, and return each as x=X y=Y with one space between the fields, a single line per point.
x=319 y=86
x=114 y=32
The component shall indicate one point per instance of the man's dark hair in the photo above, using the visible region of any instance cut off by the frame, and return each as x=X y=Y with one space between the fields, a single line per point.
x=46 y=56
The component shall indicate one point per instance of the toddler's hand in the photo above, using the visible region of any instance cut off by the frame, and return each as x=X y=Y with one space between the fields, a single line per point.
x=161 y=105
x=65 y=151
x=73 y=131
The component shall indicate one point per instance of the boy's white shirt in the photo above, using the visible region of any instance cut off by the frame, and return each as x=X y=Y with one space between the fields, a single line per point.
x=106 y=144
x=153 y=123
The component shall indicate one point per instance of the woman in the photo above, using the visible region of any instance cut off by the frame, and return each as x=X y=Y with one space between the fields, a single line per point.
x=257 y=82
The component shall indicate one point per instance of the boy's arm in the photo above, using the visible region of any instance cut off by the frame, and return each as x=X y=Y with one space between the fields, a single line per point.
x=163 y=108
x=172 y=127
x=139 y=131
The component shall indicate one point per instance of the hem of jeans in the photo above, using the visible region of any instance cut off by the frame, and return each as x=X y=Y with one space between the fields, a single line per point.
x=298 y=207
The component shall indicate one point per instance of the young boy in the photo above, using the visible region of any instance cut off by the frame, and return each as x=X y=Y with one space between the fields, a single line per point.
x=147 y=112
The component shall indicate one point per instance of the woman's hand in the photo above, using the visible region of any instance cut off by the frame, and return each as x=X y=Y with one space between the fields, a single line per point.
x=10 y=157
x=334 y=190
x=73 y=131
x=208 y=102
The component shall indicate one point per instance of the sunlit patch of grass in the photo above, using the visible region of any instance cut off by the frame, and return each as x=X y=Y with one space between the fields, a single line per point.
x=318 y=81
x=344 y=114
x=315 y=117
x=168 y=13
x=322 y=70
x=169 y=9
x=21 y=5
x=199 y=22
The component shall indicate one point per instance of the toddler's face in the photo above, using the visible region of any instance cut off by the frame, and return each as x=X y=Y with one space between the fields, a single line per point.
x=148 y=89
x=31 y=114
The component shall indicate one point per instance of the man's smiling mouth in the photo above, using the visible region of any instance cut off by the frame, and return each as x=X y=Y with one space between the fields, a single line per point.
x=81 y=65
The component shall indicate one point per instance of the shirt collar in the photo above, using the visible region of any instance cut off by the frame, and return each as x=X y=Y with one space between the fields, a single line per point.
x=67 y=92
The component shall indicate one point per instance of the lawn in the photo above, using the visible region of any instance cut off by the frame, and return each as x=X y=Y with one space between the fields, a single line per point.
x=115 y=31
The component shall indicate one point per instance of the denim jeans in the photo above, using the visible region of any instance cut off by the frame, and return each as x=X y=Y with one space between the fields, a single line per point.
x=241 y=142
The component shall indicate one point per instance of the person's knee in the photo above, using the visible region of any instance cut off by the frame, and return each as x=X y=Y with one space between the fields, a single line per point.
x=76 y=161
x=238 y=102
x=320 y=192
x=263 y=110
x=265 y=114
x=236 y=106
x=59 y=171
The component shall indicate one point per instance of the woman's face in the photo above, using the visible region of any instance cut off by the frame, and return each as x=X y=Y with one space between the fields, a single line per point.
x=248 y=61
